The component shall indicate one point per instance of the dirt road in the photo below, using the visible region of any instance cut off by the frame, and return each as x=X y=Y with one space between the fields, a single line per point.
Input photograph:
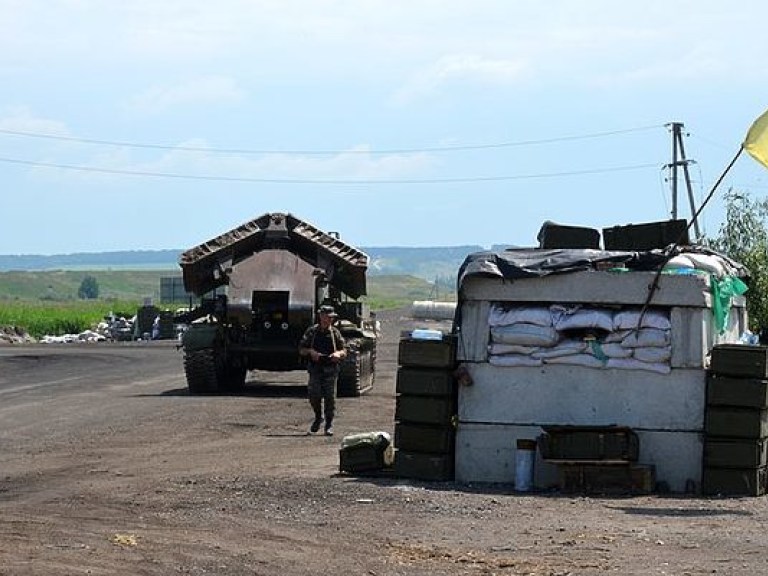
x=109 y=467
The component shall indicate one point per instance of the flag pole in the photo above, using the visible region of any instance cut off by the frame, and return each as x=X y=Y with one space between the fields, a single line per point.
x=717 y=184
x=670 y=252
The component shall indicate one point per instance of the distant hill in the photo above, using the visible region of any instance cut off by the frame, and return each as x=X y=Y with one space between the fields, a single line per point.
x=429 y=263
x=134 y=259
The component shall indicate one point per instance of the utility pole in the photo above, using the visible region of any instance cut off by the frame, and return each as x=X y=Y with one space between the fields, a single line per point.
x=680 y=161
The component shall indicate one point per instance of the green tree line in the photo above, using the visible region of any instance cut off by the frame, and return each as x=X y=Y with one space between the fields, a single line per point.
x=743 y=236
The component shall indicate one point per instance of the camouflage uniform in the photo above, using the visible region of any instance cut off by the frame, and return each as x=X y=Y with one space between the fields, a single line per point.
x=323 y=375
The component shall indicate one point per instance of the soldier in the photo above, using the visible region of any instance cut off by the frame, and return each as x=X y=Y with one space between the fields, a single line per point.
x=325 y=348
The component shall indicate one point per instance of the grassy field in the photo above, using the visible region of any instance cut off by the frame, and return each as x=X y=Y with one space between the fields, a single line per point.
x=39 y=318
x=46 y=302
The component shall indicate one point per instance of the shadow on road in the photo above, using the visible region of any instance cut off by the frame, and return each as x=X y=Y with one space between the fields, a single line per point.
x=251 y=390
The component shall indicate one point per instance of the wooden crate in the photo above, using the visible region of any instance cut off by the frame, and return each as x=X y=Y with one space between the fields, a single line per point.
x=361 y=459
x=424 y=438
x=734 y=481
x=607 y=479
x=590 y=443
x=436 y=410
x=365 y=452
x=735 y=452
x=425 y=381
x=730 y=391
x=432 y=467
x=736 y=422
x=427 y=353
x=646 y=236
x=553 y=235
x=740 y=360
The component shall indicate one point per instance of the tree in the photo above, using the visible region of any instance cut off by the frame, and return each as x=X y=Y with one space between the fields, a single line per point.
x=89 y=288
x=744 y=237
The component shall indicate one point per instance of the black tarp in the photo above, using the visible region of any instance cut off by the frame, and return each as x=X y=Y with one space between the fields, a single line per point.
x=517 y=263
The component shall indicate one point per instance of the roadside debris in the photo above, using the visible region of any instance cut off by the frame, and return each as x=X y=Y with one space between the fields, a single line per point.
x=14 y=335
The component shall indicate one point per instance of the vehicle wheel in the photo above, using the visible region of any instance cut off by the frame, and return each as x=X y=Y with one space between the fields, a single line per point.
x=348 y=383
x=200 y=369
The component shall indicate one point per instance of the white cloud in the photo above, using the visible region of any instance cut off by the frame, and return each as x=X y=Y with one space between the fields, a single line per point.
x=462 y=68
x=354 y=164
x=375 y=39
x=208 y=89
x=22 y=119
x=197 y=162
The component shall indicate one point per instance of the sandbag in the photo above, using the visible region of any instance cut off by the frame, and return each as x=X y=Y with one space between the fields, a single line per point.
x=503 y=316
x=525 y=335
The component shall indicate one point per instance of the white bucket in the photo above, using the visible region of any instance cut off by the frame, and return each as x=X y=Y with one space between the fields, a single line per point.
x=524 y=459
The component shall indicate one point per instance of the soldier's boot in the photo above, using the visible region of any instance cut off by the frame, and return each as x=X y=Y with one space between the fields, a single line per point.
x=330 y=410
x=317 y=408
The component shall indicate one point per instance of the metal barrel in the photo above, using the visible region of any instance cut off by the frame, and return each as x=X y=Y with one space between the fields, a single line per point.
x=431 y=310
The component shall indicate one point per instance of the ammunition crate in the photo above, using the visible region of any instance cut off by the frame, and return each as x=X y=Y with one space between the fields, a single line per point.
x=424 y=409
x=361 y=459
x=425 y=439
x=740 y=360
x=734 y=481
x=646 y=236
x=425 y=382
x=607 y=479
x=736 y=422
x=428 y=353
x=735 y=453
x=589 y=443
x=432 y=467
x=562 y=236
x=729 y=391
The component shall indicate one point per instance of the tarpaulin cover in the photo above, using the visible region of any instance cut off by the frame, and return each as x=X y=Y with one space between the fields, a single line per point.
x=517 y=263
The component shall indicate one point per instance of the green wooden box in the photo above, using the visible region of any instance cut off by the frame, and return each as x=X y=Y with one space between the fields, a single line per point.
x=361 y=459
x=730 y=391
x=425 y=381
x=735 y=452
x=740 y=360
x=736 y=422
x=607 y=479
x=437 y=410
x=646 y=236
x=427 y=353
x=590 y=443
x=733 y=481
x=432 y=467
x=424 y=438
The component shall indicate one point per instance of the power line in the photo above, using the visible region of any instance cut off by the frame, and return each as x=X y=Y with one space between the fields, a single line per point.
x=312 y=181
x=487 y=146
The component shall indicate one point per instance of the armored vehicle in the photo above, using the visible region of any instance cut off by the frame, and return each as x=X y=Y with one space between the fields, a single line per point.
x=260 y=286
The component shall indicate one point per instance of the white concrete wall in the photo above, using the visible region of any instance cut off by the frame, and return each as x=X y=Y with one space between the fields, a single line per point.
x=574 y=395
x=486 y=453
x=630 y=288
x=509 y=403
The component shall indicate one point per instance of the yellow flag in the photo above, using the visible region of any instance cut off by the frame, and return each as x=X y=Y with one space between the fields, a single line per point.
x=756 y=142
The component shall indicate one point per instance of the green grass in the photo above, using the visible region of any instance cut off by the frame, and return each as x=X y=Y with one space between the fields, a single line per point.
x=57 y=318
x=61 y=285
x=46 y=302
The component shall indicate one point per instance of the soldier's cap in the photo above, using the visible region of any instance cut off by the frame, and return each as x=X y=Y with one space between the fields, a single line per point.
x=327 y=310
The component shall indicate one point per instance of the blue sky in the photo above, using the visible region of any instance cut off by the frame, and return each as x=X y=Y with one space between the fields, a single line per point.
x=419 y=123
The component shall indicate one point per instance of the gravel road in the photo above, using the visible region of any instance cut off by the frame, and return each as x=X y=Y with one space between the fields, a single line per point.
x=109 y=467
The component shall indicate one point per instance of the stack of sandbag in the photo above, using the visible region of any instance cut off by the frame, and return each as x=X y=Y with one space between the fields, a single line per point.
x=580 y=335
